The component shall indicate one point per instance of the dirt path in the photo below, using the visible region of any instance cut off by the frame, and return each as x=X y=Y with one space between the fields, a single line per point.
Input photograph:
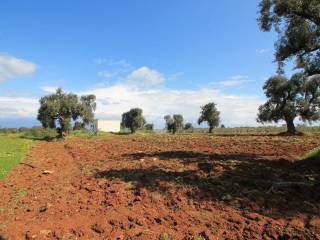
x=126 y=187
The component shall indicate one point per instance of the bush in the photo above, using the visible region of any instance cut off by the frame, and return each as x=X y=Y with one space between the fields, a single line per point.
x=149 y=127
x=40 y=133
x=188 y=126
x=9 y=130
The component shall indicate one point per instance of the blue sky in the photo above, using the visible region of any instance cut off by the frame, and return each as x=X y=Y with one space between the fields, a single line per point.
x=163 y=56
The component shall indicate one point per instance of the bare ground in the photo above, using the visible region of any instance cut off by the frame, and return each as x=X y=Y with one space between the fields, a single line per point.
x=164 y=187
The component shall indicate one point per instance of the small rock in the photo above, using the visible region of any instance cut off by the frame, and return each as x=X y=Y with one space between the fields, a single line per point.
x=43 y=209
x=46 y=172
x=139 y=223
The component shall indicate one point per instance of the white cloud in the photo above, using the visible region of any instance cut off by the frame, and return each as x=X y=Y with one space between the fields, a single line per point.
x=145 y=76
x=113 y=62
x=262 y=51
x=12 y=67
x=49 y=89
x=114 y=100
x=234 y=81
x=156 y=101
x=15 y=107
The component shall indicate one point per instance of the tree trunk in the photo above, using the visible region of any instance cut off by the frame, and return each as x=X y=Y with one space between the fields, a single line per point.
x=290 y=126
x=210 y=129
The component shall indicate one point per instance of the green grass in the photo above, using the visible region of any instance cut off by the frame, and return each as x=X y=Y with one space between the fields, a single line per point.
x=13 y=149
x=315 y=153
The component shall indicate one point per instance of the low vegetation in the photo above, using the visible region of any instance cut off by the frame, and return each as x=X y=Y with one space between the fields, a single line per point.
x=313 y=154
x=13 y=149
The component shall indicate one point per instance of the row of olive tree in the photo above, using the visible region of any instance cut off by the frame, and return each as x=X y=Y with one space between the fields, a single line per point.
x=134 y=119
x=209 y=114
x=298 y=25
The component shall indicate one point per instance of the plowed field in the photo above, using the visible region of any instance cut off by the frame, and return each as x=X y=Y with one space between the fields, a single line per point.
x=164 y=187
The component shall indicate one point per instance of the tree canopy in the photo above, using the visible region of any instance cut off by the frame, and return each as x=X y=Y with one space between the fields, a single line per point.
x=174 y=123
x=133 y=119
x=290 y=98
x=298 y=25
x=60 y=109
x=211 y=115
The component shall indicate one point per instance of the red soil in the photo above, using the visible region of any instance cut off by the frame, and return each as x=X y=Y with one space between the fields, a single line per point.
x=164 y=187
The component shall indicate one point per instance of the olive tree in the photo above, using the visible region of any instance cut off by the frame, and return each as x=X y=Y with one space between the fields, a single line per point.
x=211 y=115
x=177 y=123
x=298 y=96
x=298 y=25
x=133 y=119
x=60 y=109
x=174 y=123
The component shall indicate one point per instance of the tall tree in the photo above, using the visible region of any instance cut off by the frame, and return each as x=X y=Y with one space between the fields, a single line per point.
x=290 y=98
x=211 y=115
x=58 y=110
x=133 y=119
x=298 y=25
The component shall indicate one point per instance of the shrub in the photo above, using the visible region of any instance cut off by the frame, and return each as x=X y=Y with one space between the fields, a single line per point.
x=40 y=133
x=149 y=127
x=188 y=126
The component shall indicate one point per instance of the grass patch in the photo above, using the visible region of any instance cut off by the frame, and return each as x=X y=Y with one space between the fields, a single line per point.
x=315 y=153
x=87 y=134
x=13 y=149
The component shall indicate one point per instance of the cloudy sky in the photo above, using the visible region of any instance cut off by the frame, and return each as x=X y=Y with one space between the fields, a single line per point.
x=162 y=56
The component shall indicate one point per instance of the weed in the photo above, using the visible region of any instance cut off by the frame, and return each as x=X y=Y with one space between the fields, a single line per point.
x=165 y=236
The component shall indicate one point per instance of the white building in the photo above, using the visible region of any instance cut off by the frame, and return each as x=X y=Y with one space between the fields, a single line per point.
x=108 y=125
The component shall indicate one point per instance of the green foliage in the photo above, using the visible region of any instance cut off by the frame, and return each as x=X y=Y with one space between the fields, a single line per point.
x=79 y=126
x=9 y=130
x=211 y=115
x=149 y=127
x=298 y=25
x=289 y=98
x=175 y=123
x=12 y=150
x=188 y=126
x=133 y=119
x=59 y=109
x=313 y=154
x=86 y=133
x=40 y=133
